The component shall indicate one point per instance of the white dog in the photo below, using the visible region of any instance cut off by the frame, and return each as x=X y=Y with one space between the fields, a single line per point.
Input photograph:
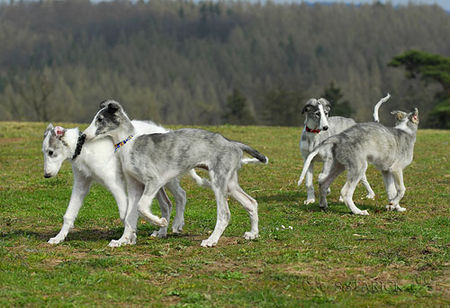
x=95 y=161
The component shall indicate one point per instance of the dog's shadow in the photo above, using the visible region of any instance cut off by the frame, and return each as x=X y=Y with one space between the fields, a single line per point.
x=296 y=198
x=74 y=235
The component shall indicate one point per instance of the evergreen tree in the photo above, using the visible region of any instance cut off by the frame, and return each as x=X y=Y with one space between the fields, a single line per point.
x=429 y=67
x=339 y=107
x=282 y=107
x=237 y=111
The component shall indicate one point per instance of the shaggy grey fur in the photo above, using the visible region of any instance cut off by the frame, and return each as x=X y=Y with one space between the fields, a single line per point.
x=318 y=127
x=155 y=159
x=389 y=149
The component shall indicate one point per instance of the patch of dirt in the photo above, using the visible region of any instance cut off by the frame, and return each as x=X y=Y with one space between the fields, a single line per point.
x=10 y=140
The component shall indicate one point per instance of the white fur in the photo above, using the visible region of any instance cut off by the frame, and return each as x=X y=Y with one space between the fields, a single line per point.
x=97 y=162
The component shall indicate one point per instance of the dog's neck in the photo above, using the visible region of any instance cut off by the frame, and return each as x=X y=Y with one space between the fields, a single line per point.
x=125 y=130
x=71 y=140
x=407 y=127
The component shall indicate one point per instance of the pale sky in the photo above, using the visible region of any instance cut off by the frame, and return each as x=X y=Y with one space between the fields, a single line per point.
x=443 y=3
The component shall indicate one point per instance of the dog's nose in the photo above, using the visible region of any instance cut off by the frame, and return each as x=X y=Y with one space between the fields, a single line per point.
x=47 y=175
x=325 y=128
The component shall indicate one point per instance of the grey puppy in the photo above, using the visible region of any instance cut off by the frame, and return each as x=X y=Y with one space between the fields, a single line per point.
x=155 y=159
x=318 y=127
x=389 y=149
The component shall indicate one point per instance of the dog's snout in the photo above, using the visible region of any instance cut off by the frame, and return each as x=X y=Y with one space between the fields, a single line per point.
x=325 y=128
x=47 y=175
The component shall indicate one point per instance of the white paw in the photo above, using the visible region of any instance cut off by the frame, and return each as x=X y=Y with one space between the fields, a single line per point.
x=364 y=213
x=161 y=233
x=309 y=201
x=55 y=240
x=123 y=241
x=208 y=243
x=370 y=196
x=162 y=222
x=250 y=235
x=341 y=199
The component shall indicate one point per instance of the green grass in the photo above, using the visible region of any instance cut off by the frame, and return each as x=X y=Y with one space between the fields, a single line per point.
x=329 y=258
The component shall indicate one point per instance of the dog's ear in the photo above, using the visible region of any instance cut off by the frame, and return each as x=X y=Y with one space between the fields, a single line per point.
x=113 y=106
x=414 y=116
x=399 y=115
x=48 y=130
x=103 y=104
x=325 y=103
x=59 y=131
x=309 y=104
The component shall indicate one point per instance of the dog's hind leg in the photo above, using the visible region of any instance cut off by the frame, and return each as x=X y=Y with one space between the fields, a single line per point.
x=166 y=207
x=324 y=183
x=180 y=202
x=309 y=185
x=80 y=188
x=353 y=177
x=370 y=192
x=250 y=205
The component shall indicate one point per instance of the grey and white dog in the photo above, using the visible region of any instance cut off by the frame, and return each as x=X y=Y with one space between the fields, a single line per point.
x=95 y=161
x=155 y=159
x=389 y=149
x=318 y=127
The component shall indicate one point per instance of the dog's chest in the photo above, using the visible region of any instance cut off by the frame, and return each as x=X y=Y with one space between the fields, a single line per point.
x=308 y=142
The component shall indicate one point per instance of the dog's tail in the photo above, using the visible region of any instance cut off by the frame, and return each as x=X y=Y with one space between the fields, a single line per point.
x=199 y=180
x=326 y=143
x=377 y=106
x=258 y=157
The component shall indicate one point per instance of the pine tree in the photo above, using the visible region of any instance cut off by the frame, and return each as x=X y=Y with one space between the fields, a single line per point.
x=338 y=106
x=237 y=110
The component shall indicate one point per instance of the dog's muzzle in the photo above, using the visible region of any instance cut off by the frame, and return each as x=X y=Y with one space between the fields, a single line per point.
x=47 y=175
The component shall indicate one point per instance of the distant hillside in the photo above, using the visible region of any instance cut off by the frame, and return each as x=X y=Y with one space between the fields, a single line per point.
x=177 y=61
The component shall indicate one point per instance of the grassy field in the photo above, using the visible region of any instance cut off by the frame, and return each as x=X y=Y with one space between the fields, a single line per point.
x=326 y=259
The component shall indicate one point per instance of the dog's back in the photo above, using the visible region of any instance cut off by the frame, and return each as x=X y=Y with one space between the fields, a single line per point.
x=379 y=145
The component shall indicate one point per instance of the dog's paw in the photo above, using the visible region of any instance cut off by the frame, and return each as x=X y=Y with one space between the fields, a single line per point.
x=341 y=199
x=177 y=226
x=161 y=233
x=162 y=222
x=55 y=240
x=208 y=243
x=309 y=201
x=250 y=235
x=364 y=213
x=370 y=196
x=124 y=240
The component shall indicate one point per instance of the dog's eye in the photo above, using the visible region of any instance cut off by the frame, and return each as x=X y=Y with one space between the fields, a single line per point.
x=99 y=119
x=317 y=114
x=50 y=153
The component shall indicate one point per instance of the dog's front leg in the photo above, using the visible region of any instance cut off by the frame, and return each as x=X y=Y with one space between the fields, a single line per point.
x=309 y=185
x=80 y=188
x=400 y=186
x=223 y=218
x=128 y=237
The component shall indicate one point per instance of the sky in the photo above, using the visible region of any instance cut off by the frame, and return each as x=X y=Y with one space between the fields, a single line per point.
x=442 y=3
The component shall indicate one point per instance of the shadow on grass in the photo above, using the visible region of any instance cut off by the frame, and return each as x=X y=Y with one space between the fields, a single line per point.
x=85 y=234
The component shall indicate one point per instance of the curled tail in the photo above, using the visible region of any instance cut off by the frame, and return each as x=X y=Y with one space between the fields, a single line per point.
x=251 y=151
x=326 y=143
x=377 y=106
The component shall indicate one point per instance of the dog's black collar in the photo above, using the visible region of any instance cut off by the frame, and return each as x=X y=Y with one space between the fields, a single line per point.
x=80 y=143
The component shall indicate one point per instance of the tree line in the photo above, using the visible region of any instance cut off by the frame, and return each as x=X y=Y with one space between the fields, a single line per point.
x=185 y=62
